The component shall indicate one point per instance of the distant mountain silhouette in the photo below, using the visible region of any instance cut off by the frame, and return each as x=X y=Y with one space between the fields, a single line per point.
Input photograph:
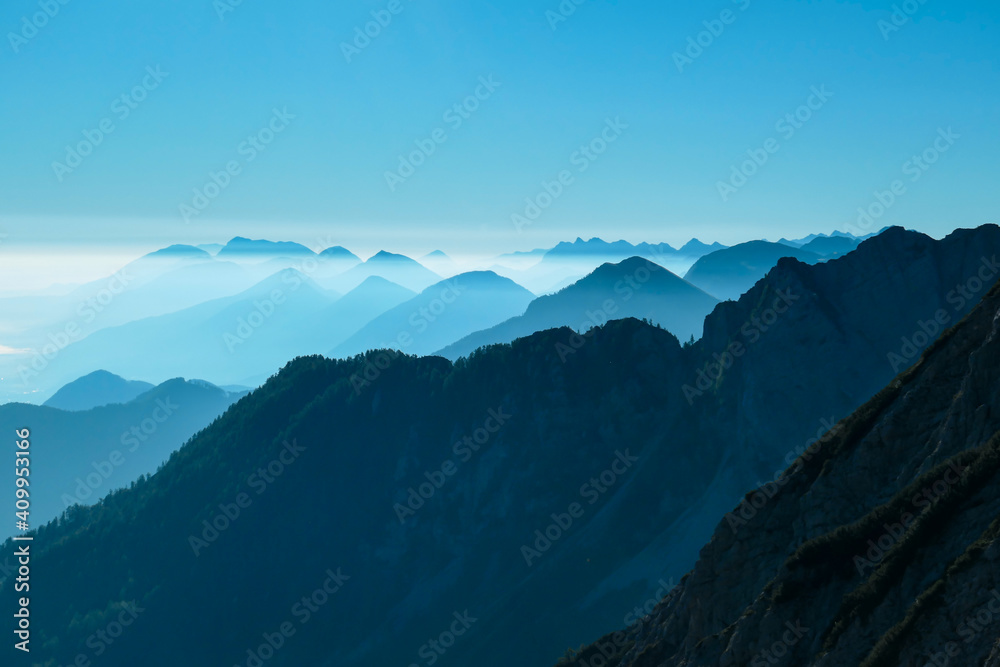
x=568 y=262
x=74 y=461
x=832 y=246
x=96 y=389
x=398 y=269
x=181 y=251
x=230 y=341
x=441 y=264
x=695 y=248
x=153 y=285
x=441 y=314
x=635 y=287
x=241 y=248
x=340 y=253
x=351 y=313
x=728 y=273
x=602 y=248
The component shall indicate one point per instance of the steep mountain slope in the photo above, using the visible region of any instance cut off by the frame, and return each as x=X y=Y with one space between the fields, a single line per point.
x=80 y=456
x=441 y=314
x=608 y=472
x=635 y=288
x=728 y=273
x=96 y=389
x=876 y=547
x=338 y=503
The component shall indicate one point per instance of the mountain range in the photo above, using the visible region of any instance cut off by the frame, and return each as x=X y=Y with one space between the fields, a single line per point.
x=533 y=494
x=635 y=288
x=188 y=301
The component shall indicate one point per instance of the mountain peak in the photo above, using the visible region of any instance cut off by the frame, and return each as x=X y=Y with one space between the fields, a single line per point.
x=95 y=390
x=386 y=256
x=240 y=245
x=339 y=252
x=180 y=250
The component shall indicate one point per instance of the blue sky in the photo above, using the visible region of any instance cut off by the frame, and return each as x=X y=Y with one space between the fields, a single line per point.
x=325 y=171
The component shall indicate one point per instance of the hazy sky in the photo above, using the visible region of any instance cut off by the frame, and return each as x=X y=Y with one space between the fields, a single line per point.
x=209 y=79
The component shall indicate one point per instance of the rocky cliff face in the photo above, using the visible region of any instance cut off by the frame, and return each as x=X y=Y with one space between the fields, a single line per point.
x=878 y=546
x=820 y=340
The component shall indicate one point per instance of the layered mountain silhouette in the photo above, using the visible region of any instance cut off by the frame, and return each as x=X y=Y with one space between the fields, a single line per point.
x=441 y=264
x=80 y=455
x=831 y=246
x=728 y=273
x=242 y=248
x=635 y=288
x=96 y=389
x=535 y=493
x=395 y=268
x=876 y=547
x=242 y=339
x=568 y=262
x=440 y=315
x=231 y=341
